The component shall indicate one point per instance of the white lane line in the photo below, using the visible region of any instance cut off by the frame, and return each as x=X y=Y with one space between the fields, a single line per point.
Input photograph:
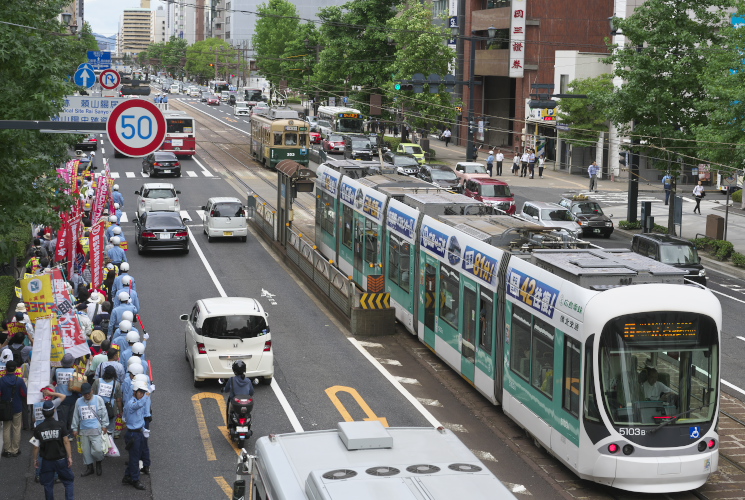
x=114 y=175
x=425 y=413
x=728 y=296
x=741 y=338
x=369 y=344
x=733 y=386
x=185 y=215
x=130 y=175
x=145 y=174
x=205 y=172
x=484 y=455
x=123 y=218
x=200 y=213
x=294 y=421
x=429 y=402
x=191 y=173
x=517 y=488
x=404 y=380
x=224 y=123
x=455 y=427
x=392 y=362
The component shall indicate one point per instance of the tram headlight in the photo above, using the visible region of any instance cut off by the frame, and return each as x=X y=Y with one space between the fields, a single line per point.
x=628 y=449
x=613 y=448
x=712 y=443
x=702 y=446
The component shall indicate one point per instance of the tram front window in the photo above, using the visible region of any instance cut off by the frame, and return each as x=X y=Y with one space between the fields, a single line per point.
x=659 y=366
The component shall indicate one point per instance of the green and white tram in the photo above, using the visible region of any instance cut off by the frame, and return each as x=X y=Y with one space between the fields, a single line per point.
x=279 y=135
x=606 y=358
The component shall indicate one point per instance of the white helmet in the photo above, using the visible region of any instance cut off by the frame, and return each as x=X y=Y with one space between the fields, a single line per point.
x=117 y=230
x=136 y=369
x=110 y=266
x=116 y=206
x=125 y=325
x=123 y=296
x=124 y=266
x=133 y=337
x=133 y=360
x=115 y=240
x=141 y=377
x=138 y=349
x=112 y=218
x=140 y=386
x=116 y=187
x=128 y=315
x=126 y=280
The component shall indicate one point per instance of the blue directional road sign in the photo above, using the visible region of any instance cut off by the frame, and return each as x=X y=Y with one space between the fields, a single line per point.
x=99 y=59
x=85 y=77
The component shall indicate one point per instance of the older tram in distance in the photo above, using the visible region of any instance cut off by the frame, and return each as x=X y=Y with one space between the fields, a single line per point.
x=279 y=135
x=606 y=358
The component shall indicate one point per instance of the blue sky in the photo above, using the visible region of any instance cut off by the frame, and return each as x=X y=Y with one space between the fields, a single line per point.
x=104 y=15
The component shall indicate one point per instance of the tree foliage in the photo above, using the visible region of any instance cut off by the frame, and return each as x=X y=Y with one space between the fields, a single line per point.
x=276 y=27
x=167 y=56
x=421 y=48
x=299 y=59
x=587 y=117
x=215 y=52
x=35 y=69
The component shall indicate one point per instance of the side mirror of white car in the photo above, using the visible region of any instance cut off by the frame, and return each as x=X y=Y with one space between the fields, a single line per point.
x=184 y=317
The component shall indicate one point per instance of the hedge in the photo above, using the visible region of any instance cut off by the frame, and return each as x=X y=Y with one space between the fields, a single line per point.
x=738 y=259
x=624 y=224
x=7 y=293
x=721 y=249
x=737 y=196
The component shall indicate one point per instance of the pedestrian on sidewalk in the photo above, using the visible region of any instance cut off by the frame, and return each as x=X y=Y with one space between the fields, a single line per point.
x=53 y=446
x=541 y=164
x=13 y=389
x=699 y=193
x=490 y=163
x=90 y=422
x=515 y=162
x=592 y=172
x=531 y=163
x=500 y=159
x=446 y=136
x=524 y=163
x=667 y=183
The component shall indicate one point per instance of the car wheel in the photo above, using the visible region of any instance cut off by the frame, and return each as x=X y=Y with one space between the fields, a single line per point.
x=244 y=238
x=209 y=238
x=606 y=235
x=186 y=250
x=266 y=380
x=140 y=247
x=178 y=174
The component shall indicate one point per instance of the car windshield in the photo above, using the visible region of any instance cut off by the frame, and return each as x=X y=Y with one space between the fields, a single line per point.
x=555 y=214
x=678 y=254
x=163 y=219
x=495 y=191
x=361 y=144
x=239 y=326
x=589 y=208
x=335 y=138
x=443 y=175
x=228 y=209
x=350 y=125
x=405 y=161
x=657 y=365
x=241 y=105
x=323 y=123
x=159 y=193
x=413 y=150
x=474 y=169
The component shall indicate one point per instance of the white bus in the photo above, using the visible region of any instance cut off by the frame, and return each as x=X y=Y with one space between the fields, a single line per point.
x=340 y=120
x=175 y=89
x=365 y=460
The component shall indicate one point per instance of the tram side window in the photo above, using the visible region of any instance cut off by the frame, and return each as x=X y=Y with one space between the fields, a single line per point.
x=346 y=232
x=371 y=241
x=329 y=215
x=543 y=357
x=449 y=296
x=405 y=263
x=291 y=139
x=398 y=265
x=277 y=138
x=570 y=388
x=319 y=211
x=486 y=307
x=591 y=403
x=520 y=348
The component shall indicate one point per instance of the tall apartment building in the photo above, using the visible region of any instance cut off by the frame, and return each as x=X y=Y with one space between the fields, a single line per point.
x=188 y=19
x=159 y=29
x=134 y=31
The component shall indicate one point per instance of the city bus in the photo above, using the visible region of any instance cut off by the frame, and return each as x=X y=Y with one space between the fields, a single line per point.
x=181 y=135
x=365 y=460
x=217 y=86
x=279 y=135
x=341 y=120
x=252 y=95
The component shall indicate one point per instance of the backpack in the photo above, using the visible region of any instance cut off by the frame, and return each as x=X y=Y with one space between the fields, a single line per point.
x=17 y=357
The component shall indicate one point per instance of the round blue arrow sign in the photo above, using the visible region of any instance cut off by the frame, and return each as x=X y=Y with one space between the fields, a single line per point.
x=85 y=77
x=86 y=66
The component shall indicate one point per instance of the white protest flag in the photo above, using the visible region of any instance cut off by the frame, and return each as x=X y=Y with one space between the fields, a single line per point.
x=40 y=369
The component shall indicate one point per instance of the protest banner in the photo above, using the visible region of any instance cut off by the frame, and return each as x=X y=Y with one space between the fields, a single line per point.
x=38 y=296
x=73 y=337
x=97 y=257
x=40 y=367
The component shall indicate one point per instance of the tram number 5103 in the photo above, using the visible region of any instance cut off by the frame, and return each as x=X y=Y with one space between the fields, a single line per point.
x=631 y=431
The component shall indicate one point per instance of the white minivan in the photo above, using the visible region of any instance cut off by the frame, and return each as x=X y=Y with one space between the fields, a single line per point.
x=223 y=330
x=225 y=217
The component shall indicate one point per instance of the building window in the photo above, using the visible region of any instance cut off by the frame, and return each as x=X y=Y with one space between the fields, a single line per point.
x=227 y=5
x=227 y=21
x=218 y=26
x=563 y=84
x=496 y=4
x=440 y=8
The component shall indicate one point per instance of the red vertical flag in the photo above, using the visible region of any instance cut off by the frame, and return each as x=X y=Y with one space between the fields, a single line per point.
x=96 y=250
x=63 y=242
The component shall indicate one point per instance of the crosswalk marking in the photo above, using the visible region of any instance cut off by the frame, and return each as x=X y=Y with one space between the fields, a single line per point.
x=191 y=173
x=130 y=175
x=123 y=218
x=134 y=175
x=114 y=175
x=200 y=213
x=185 y=215
x=206 y=173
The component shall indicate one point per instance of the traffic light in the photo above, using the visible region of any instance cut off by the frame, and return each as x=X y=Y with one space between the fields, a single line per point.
x=450 y=83
x=541 y=104
x=434 y=84
x=212 y=64
x=404 y=86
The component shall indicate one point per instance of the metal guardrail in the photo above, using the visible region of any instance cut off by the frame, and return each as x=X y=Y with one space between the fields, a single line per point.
x=331 y=281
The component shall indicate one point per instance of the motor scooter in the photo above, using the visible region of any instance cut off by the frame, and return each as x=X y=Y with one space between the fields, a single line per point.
x=239 y=418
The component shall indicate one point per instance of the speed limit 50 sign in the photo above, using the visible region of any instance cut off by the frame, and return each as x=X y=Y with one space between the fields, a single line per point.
x=136 y=127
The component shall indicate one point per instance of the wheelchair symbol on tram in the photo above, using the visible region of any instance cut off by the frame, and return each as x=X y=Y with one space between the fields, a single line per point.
x=695 y=432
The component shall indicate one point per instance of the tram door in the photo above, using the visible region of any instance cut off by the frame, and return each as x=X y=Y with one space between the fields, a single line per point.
x=430 y=300
x=469 y=329
x=366 y=248
x=359 y=245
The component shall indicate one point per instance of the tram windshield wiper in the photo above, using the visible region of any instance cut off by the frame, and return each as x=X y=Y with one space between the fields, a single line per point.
x=676 y=417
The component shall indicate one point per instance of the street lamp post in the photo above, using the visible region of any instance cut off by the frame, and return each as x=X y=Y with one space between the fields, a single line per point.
x=492 y=31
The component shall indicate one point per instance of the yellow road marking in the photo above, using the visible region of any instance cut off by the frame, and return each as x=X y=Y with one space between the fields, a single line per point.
x=332 y=392
x=196 y=400
x=225 y=486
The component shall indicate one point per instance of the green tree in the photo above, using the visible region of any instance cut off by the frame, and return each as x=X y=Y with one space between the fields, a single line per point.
x=586 y=117
x=35 y=69
x=421 y=49
x=299 y=59
x=277 y=25
x=173 y=56
x=211 y=57
x=356 y=55
x=669 y=42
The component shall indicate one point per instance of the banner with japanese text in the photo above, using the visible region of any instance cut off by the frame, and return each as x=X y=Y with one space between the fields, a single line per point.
x=75 y=227
x=102 y=193
x=73 y=337
x=63 y=242
x=40 y=367
x=97 y=244
x=38 y=296
x=58 y=349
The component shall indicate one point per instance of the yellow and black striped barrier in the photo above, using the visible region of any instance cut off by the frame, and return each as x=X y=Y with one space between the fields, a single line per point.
x=375 y=301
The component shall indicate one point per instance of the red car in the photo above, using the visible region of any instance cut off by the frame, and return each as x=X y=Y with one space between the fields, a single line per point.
x=333 y=144
x=213 y=100
x=491 y=192
x=315 y=138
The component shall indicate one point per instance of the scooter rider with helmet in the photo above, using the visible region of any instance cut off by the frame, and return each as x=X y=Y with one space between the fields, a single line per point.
x=239 y=384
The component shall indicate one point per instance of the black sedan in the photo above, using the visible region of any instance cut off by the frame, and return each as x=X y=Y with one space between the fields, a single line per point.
x=161 y=163
x=405 y=165
x=90 y=143
x=161 y=231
